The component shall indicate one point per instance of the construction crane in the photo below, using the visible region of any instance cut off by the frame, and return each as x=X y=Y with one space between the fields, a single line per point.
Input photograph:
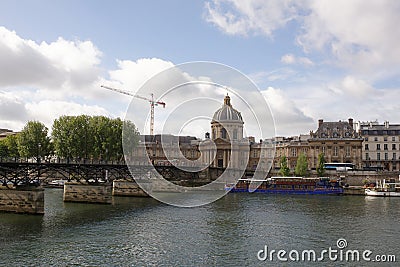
x=151 y=101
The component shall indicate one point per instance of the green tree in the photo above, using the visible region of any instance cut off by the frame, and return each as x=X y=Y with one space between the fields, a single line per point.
x=12 y=146
x=130 y=138
x=3 y=149
x=61 y=137
x=33 y=140
x=301 y=165
x=321 y=165
x=100 y=127
x=96 y=137
x=284 y=170
x=72 y=137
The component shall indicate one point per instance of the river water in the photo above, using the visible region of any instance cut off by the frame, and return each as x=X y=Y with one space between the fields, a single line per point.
x=228 y=232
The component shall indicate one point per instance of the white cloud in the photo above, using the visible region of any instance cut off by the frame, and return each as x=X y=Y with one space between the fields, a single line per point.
x=356 y=87
x=359 y=35
x=131 y=75
x=288 y=59
x=292 y=59
x=56 y=78
x=254 y=16
x=288 y=116
x=61 y=64
x=12 y=108
x=363 y=35
x=48 y=110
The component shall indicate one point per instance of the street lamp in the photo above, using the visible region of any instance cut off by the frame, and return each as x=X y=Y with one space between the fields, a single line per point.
x=38 y=161
x=38 y=154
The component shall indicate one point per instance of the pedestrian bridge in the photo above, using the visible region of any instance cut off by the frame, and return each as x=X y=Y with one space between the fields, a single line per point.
x=21 y=181
x=19 y=173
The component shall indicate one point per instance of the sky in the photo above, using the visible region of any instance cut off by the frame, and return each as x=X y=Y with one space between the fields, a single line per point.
x=310 y=60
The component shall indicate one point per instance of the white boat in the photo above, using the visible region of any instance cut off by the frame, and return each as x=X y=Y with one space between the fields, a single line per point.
x=57 y=183
x=384 y=189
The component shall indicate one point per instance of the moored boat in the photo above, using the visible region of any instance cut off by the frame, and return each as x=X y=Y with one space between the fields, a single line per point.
x=288 y=185
x=384 y=189
x=56 y=184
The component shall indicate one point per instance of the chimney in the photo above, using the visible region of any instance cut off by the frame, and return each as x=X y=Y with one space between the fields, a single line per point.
x=320 y=121
x=351 y=122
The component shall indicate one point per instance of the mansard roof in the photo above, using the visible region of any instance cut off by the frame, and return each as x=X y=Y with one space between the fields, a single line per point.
x=334 y=130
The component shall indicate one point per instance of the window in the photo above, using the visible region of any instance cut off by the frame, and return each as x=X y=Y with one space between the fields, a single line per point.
x=394 y=156
x=393 y=138
x=385 y=138
x=323 y=150
x=366 y=147
x=335 y=151
x=235 y=132
x=347 y=151
x=378 y=146
x=393 y=146
x=376 y=139
x=386 y=156
x=366 y=139
x=378 y=156
x=223 y=133
x=366 y=156
x=294 y=152
x=385 y=147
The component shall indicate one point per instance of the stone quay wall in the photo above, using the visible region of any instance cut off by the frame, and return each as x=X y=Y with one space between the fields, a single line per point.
x=127 y=188
x=22 y=200
x=88 y=193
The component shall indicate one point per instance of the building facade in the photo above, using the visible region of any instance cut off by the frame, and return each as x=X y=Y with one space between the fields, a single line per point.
x=291 y=148
x=381 y=145
x=338 y=141
x=6 y=132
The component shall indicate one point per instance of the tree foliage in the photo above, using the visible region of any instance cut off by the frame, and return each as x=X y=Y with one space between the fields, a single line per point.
x=284 y=170
x=3 y=149
x=87 y=137
x=33 y=140
x=130 y=137
x=321 y=165
x=301 y=165
x=11 y=142
x=72 y=137
x=9 y=147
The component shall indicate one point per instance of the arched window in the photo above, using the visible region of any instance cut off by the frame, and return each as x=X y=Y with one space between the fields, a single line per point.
x=235 y=132
x=223 y=133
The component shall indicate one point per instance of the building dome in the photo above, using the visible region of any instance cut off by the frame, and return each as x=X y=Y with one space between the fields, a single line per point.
x=227 y=112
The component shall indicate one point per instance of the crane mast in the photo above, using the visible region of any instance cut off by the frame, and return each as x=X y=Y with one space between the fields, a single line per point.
x=150 y=100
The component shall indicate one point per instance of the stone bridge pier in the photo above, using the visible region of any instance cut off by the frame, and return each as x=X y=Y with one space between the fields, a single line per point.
x=88 y=193
x=22 y=200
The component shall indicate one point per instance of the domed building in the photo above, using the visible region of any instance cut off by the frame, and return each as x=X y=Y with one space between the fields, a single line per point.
x=227 y=135
x=227 y=122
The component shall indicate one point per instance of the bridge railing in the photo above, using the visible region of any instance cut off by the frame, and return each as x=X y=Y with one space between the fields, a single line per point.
x=62 y=161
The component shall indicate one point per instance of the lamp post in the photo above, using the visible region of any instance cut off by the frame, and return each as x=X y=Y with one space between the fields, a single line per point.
x=38 y=161
x=38 y=153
